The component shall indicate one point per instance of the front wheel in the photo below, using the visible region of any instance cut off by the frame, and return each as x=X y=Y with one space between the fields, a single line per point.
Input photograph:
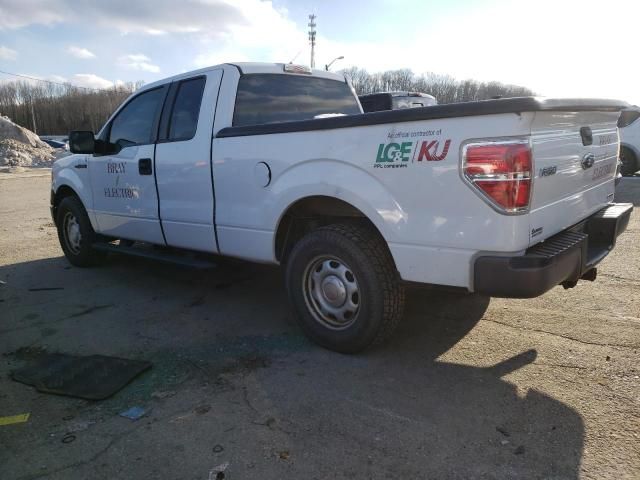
x=344 y=287
x=75 y=233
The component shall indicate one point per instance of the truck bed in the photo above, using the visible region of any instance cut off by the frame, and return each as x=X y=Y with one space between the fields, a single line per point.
x=434 y=222
x=452 y=110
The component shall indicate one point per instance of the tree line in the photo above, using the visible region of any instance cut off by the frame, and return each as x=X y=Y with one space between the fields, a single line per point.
x=56 y=109
x=445 y=88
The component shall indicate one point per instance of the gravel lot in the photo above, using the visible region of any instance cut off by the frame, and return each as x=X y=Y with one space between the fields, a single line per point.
x=468 y=388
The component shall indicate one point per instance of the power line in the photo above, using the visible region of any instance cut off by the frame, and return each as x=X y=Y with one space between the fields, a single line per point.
x=49 y=81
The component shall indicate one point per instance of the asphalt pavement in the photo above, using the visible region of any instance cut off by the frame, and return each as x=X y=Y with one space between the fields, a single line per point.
x=468 y=388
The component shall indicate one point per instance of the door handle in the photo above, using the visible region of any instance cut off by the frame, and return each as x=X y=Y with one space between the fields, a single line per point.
x=144 y=166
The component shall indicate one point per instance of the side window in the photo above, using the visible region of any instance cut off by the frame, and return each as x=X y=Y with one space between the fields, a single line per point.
x=272 y=98
x=186 y=110
x=134 y=124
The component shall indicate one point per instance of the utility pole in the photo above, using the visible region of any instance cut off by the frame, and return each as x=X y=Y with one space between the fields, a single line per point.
x=312 y=39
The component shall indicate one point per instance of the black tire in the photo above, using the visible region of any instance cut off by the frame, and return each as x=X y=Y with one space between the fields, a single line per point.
x=630 y=164
x=77 y=250
x=372 y=287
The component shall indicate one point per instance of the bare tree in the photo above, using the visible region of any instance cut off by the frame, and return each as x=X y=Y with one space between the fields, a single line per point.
x=51 y=109
x=444 y=87
x=57 y=109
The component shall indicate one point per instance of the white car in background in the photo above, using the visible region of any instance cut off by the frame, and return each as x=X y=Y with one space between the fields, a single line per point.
x=376 y=102
x=629 y=126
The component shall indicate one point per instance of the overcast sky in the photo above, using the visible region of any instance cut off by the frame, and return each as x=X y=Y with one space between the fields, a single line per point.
x=556 y=47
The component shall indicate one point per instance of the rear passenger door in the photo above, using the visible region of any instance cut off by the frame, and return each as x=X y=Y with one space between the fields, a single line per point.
x=183 y=163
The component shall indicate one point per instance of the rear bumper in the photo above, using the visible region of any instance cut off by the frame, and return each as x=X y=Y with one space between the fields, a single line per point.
x=565 y=257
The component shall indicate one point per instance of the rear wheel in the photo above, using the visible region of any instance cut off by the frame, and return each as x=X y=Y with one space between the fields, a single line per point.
x=630 y=164
x=75 y=233
x=344 y=288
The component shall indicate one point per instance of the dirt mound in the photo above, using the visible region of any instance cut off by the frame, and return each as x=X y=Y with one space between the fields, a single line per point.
x=22 y=147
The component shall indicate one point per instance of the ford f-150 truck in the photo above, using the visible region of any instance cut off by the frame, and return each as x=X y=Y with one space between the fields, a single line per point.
x=277 y=164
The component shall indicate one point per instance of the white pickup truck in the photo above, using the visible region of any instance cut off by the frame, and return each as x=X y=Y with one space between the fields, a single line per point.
x=275 y=163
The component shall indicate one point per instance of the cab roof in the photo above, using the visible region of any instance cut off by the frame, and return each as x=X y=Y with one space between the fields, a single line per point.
x=248 y=68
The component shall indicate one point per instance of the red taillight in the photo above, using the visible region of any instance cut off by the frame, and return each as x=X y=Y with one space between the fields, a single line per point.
x=501 y=171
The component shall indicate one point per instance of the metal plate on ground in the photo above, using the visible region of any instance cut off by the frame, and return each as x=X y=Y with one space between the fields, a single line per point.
x=93 y=377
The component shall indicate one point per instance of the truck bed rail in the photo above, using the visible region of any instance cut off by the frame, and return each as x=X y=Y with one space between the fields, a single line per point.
x=465 y=109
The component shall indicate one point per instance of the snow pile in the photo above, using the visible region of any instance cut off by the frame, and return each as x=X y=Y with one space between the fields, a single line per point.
x=22 y=147
x=18 y=154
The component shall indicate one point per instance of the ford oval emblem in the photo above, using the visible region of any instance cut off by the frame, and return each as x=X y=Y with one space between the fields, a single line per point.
x=588 y=160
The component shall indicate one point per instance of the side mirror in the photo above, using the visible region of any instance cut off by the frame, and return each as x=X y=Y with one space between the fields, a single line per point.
x=81 y=141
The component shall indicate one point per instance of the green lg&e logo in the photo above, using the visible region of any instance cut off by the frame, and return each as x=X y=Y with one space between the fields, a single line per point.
x=394 y=152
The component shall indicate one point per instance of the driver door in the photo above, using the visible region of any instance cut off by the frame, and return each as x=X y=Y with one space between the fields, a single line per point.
x=123 y=183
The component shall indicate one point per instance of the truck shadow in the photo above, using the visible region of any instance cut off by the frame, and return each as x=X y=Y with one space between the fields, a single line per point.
x=421 y=417
x=398 y=411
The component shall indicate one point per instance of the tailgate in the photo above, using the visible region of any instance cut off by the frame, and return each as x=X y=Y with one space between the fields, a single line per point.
x=575 y=158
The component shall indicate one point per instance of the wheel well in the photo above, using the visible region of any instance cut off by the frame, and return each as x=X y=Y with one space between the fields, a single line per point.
x=624 y=146
x=312 y=212
x=63 y=192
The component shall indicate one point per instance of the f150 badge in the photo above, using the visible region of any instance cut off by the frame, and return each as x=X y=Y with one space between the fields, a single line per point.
x=398 y=155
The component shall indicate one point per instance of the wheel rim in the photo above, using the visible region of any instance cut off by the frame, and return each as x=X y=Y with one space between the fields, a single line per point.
x=331 y=292
x=72 y=235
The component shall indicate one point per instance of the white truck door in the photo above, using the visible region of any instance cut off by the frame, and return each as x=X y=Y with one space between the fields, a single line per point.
x=183 y=162
x=123 y=182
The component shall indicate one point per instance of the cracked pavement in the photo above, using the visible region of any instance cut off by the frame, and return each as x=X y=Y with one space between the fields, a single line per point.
x=468 y=388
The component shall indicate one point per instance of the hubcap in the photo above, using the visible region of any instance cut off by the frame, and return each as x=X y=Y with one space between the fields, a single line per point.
x=72 y=236
x=334 y=290
x=331 y=292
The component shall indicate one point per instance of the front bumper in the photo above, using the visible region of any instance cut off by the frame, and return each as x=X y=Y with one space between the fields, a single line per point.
x=564 y=258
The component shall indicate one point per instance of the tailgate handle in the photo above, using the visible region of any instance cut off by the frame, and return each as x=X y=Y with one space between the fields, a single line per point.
x=587 y=136
x=144 y=166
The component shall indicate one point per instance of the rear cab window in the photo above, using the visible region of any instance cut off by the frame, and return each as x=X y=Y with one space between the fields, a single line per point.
x=274 y=98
